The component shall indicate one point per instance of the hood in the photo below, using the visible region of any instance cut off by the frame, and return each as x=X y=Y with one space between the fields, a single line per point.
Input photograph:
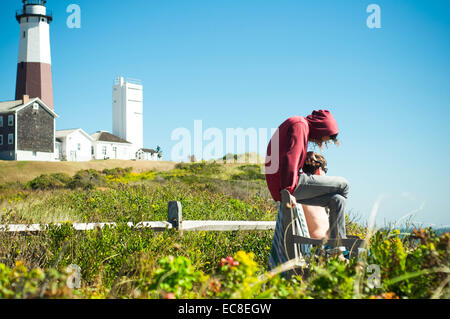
x=321 y=123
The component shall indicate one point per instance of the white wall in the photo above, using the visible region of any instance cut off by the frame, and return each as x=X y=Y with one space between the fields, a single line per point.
x=148 y=157
x=35 y=46
x=77 y=147
x=123 y=151
x=128 y=113
x=35 y=156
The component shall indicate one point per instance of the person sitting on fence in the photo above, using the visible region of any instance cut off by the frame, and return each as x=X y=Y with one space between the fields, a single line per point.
x=316 y=216
x=287 y=153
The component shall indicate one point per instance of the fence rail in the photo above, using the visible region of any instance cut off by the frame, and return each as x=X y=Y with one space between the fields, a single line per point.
x=175 y=221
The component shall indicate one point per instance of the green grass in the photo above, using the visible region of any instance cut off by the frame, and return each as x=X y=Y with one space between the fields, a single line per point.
x=129 y=263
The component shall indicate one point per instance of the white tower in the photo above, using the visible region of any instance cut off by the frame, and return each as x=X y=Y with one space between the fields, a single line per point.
x=34 y=70
x=127 y=111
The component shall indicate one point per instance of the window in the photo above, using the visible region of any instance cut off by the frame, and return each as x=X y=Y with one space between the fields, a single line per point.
x=1 y=139
x=24 y=34
x=104 y=150
x=10 y=139
x=34 y=153
x=1 y=120
x=10 y=120
x=79 y=146
x=92 y=150
x=35 y=106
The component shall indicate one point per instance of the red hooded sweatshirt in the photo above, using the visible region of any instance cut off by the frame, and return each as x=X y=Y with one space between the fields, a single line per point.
x=289 y=147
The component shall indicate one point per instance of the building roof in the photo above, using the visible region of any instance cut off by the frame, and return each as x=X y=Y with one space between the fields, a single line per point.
x=61 y=134
x=64 y=133
x=103 y=136
x=147 y=150
x=9 y=106
x=17 y=105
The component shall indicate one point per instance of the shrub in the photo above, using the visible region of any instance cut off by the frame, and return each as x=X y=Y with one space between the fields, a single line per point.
x=87 y=179
x=249 y=172
x=202 y=168
x=177 y=275
x=117 y=172
x=47 y=182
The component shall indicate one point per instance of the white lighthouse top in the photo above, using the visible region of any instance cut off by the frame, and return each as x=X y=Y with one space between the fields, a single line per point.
x=34 y=7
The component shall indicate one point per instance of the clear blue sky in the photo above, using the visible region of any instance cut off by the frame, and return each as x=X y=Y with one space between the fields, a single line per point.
x=248 y=63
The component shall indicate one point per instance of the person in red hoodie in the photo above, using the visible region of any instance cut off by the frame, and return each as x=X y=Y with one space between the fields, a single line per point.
x=286 y=155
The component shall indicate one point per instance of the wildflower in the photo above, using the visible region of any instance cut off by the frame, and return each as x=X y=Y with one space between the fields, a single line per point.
x=169 y=295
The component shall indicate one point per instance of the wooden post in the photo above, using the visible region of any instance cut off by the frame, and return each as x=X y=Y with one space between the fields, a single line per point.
x=288 y=227
x=175 y=214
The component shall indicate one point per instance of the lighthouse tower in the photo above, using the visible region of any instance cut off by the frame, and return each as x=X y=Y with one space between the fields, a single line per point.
x=34 y=70
x=127 y=111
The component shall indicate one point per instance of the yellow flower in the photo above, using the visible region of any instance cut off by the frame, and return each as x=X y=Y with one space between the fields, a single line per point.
x=396 y=231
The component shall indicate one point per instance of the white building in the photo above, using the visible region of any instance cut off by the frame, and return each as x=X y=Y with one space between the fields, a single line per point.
x=109 y=146
x=146 y=154
x=127 y=112
x=74 y=145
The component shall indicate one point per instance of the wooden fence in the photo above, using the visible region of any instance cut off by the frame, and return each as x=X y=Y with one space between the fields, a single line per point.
x=174 y=221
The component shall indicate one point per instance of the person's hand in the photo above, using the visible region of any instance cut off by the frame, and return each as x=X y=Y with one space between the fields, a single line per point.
x=292 y=201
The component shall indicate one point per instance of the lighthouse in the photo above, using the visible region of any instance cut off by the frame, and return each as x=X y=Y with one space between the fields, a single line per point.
x=34 y=70
x=127 y=111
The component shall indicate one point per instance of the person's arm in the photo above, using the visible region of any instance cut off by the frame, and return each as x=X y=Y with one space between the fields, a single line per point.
x=294 y=157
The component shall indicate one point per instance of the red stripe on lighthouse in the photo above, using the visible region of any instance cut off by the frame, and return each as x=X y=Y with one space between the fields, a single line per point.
x=35 y=80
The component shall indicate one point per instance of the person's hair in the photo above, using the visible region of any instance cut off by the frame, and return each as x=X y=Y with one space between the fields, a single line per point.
x=320 y=162
x=332 y=138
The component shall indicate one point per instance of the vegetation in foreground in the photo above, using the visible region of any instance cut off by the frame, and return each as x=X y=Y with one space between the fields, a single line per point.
x=122 y=262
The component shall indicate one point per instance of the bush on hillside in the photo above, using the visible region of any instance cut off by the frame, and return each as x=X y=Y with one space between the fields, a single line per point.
x=87 y=179
x=249 y=172
x=203 y=167
x=118 y=171
x=52 y=181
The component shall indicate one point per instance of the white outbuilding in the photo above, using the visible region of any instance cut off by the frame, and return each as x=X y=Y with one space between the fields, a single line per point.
x=109 y=146
x=148 y=154
x=74 y=145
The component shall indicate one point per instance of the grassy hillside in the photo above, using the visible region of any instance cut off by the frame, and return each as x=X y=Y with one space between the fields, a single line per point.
x=23 y=171
x=138 y=263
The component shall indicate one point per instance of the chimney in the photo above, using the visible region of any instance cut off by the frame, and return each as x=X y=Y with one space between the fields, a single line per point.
x=25 y=98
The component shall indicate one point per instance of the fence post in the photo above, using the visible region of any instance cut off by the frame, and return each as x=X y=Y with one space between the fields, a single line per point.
x=175 y=214
x=287 y=220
